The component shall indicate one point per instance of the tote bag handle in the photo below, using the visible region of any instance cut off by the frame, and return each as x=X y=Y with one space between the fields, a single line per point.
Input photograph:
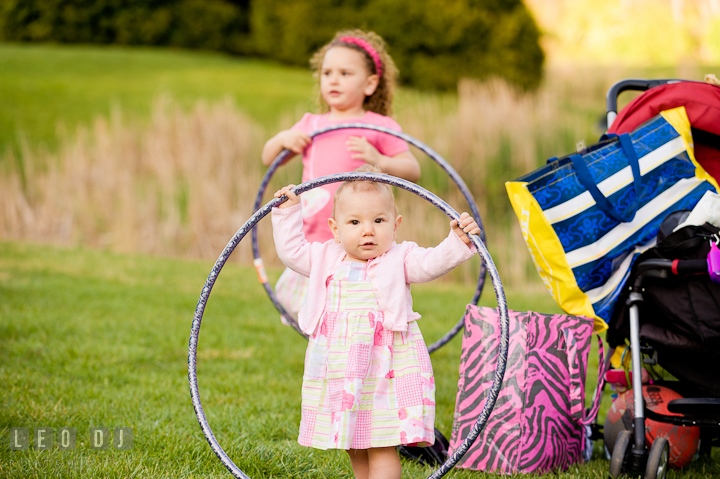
x=602 y=202
x=576 y=390
x=590 y=415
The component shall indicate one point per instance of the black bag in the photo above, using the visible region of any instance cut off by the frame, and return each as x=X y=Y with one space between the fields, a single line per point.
x=434 y=455
x=679 y=316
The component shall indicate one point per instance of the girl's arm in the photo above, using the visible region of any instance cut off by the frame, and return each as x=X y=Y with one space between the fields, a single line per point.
x=403 y=165
x=292 y=248
x=426 y=264
x=293 y=140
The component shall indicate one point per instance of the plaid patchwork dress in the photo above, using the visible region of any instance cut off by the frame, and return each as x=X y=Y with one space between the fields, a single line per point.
x=291 y=289
x=364 y=386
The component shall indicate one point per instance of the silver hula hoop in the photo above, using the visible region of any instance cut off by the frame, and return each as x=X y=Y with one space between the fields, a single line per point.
x=432 y=154
x=250 y=224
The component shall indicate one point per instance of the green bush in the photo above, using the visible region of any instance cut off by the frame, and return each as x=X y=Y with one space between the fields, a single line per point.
x=209 y=24
x=433 y=42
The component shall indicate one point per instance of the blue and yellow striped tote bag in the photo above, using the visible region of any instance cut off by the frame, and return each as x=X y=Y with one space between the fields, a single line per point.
x=586 y=217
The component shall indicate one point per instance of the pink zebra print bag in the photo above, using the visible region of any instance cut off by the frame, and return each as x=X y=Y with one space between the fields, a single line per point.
x=538 y=423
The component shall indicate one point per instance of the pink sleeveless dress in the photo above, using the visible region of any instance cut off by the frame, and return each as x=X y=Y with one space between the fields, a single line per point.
x=364 y=386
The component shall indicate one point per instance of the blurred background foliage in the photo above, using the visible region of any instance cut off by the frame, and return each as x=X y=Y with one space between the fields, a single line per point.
x=207 y=24
x=629 y=32
x=434 y=42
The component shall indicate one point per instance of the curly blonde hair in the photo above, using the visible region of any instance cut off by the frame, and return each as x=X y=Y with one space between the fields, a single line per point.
x=380 y=101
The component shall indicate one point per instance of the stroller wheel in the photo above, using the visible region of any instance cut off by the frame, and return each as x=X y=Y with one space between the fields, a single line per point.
x=658 y=459
x=617 y=460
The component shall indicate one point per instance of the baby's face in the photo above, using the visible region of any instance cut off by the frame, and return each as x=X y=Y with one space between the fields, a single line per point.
x=365 y=223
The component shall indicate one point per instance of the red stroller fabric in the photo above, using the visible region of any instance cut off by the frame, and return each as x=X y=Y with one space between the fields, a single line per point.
x=702 y=103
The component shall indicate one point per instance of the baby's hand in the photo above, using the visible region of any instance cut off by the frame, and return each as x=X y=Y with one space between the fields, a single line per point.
x=361 y=149
x=294 y=140
x=293 y=199
x=467 y=225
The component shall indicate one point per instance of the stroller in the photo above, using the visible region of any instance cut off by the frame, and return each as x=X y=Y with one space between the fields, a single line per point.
x=670 y=308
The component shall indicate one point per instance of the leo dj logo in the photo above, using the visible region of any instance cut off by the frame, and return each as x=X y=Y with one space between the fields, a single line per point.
x=65 y=438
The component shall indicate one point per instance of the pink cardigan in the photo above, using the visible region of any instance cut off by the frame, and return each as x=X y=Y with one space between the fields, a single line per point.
x=390 y=274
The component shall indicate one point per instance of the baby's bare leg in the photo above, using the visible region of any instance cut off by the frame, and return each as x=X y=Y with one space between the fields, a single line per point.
x=359 y=461
x=384 y=463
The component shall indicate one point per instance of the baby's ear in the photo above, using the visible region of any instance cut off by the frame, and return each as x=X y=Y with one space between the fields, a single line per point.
x=333 y=227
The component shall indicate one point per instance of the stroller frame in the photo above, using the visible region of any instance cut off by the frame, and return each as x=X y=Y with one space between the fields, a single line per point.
x=630 y=453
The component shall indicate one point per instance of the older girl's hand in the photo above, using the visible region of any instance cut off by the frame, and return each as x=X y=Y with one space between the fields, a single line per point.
x=467 y=225
x=294 y=140
x=293 y=199
x=361 y=149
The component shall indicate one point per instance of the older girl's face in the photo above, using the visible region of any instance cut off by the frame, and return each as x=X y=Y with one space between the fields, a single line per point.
x=345 y=80
x=365 y=223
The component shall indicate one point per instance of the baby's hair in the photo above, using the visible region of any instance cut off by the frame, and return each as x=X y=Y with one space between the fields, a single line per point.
x=380 y=101
x=365 y=185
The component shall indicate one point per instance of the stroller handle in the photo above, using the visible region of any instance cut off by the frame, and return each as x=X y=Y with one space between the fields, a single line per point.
x=677 y=267
x=690 y=266
x=634 y=84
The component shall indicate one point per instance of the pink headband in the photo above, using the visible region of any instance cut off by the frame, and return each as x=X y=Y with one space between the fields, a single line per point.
x=369 y=49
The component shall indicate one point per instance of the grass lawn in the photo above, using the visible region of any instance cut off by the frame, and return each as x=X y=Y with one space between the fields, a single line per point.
x=43 y=85
x=90 y=339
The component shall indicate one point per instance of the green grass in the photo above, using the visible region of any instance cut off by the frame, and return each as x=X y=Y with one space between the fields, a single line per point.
x=42 y=86
x=89 y=338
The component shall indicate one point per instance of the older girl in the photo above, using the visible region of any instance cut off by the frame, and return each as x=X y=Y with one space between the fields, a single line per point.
x=357 y=82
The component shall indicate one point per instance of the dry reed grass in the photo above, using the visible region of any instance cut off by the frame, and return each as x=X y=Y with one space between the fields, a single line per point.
x=496 y=134
x=183 y=183
x=177 y=186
